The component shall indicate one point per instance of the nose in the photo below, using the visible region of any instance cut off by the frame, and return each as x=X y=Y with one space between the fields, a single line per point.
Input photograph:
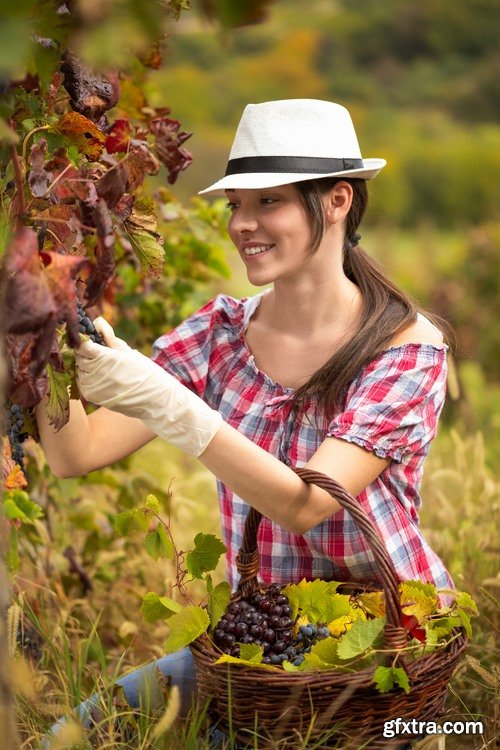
x=243 y=219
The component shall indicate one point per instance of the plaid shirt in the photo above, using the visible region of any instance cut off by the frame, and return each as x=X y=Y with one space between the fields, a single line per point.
x=391 y=408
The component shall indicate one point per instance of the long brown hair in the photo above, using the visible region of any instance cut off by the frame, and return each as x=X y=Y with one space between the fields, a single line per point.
x=387 y=309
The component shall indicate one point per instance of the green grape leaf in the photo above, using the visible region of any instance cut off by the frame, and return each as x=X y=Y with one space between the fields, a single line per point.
x=152 y=503
x=18 y=505
x=149 y=251
x=419 y=599
x=159 y=544
x=185 y=627
x=442 y=626
x=432 y=636
x=155 y=607
x=251 y=656
x=58 y=400
x=386 y=678
x=251 y=652
x=326 y=649
x=464 y=618
x=131 y=522
x=218 y=599
x=288 y=666
x=372 y=602
x=465 y=601
x=363 y=634
x=317 y=599
x=205 y=555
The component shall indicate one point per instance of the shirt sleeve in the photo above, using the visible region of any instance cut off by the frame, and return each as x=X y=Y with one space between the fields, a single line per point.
x=392 y=407
x=185 y=352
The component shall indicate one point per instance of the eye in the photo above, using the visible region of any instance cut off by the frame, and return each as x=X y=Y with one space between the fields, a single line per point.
x=267 y=201
x=231 y=206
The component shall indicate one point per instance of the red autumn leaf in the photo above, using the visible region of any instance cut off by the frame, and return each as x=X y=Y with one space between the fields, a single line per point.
x=28 y=301
x=123 y=208
x=128 y=174
x=113 y=184
x=60 y=270
x=82 y=132
x=118 y=137
x=411 y=623
x=141 y=161
x=63 y=226
x=39 y=179
x=27 y=378
x=105 y=255
x=168 y=145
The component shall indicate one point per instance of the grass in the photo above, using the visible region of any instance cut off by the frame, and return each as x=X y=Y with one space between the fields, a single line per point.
x=81 y=652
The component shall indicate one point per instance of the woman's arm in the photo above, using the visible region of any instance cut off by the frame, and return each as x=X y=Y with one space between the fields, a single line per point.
x=275 y=490
x=126 y=381
x=89 y=442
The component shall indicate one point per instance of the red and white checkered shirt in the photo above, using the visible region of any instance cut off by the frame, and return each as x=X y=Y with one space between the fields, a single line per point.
x=391 y=408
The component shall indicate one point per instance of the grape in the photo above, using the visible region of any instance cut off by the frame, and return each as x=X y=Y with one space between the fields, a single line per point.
x=15 y=423
x=265 y=604
x=269 y=635
x=219 y=636
x=240 y=629
x=274 y=589
x=86 y=326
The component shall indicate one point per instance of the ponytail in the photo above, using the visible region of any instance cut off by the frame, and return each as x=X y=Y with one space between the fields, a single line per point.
x=387 y=310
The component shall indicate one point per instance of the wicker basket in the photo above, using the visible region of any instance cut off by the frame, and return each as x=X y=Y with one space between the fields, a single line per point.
x=280 y=704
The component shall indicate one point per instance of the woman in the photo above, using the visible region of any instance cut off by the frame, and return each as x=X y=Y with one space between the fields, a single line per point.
x=332 y=368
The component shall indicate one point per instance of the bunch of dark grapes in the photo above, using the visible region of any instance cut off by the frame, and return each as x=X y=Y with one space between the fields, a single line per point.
x=264 y=619
x=85 y=325
x=15 y=423
x=307 y=636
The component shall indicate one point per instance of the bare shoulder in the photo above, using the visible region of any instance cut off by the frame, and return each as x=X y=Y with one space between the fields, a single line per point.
x=422 y=331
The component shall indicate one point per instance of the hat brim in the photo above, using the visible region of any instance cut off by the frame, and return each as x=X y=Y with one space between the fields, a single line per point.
x=255 y=180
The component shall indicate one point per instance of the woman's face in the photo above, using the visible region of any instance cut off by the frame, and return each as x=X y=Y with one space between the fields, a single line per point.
x=270 y=229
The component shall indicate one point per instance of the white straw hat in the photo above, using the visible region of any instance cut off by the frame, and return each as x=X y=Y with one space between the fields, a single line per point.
x=291 y=140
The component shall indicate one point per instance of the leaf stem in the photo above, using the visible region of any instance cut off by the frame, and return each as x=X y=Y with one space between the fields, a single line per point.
x=29 y=135
x=19 y=183
x=53 y=220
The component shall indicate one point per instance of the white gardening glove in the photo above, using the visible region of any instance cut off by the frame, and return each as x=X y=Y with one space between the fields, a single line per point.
x=124 y=380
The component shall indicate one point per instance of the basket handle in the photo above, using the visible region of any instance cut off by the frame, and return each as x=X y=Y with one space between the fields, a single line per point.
x=248 y=558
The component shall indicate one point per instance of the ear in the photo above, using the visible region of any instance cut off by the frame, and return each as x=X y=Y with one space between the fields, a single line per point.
x=338 y=202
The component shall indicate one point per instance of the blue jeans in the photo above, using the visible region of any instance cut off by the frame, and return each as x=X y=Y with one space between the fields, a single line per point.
x=141 y=688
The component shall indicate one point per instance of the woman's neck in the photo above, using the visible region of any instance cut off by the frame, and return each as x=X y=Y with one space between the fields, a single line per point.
x=306 y=307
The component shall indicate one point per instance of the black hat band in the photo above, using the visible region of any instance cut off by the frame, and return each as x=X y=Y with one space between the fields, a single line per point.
x=291 y=164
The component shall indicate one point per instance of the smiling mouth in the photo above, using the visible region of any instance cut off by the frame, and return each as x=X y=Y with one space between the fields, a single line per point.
x=257 y=249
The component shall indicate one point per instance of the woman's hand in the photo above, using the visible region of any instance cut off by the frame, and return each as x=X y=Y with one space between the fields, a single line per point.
x=124 y=380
